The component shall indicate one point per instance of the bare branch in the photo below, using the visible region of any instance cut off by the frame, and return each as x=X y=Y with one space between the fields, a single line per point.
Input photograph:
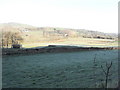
x=103 y=70
x=108 y=66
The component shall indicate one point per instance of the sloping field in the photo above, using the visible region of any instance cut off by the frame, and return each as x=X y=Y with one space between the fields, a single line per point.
x=43 y=36
x=73 y=41
x=60 y=70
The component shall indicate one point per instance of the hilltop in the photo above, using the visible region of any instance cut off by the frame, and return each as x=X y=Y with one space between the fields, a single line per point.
x=36 y=36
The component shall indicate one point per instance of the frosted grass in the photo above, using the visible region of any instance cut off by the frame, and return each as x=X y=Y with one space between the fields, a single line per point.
x=59 y=70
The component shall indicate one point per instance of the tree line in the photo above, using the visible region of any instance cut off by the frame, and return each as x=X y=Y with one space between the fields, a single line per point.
x=10 y=38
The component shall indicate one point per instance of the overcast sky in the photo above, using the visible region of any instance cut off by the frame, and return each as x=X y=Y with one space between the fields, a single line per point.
x=97 y=15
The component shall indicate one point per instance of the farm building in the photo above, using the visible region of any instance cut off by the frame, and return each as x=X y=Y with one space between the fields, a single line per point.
x=16 y=46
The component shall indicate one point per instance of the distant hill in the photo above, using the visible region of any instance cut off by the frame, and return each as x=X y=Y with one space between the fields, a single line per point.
x=16 y=25
x=51 y=31
x=42 y=36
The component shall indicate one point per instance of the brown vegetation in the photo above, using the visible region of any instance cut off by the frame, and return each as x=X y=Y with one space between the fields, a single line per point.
x=10 y=38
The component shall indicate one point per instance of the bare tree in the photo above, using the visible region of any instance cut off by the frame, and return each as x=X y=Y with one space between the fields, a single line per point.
x=16 y=38
x=9 y=38
x=106 y=72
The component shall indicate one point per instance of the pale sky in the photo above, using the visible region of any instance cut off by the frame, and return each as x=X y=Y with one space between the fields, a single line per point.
x=97 y=15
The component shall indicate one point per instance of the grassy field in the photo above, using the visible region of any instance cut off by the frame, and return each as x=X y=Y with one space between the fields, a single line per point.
x=35 y=36
x=71 y=41
x=60 y=70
